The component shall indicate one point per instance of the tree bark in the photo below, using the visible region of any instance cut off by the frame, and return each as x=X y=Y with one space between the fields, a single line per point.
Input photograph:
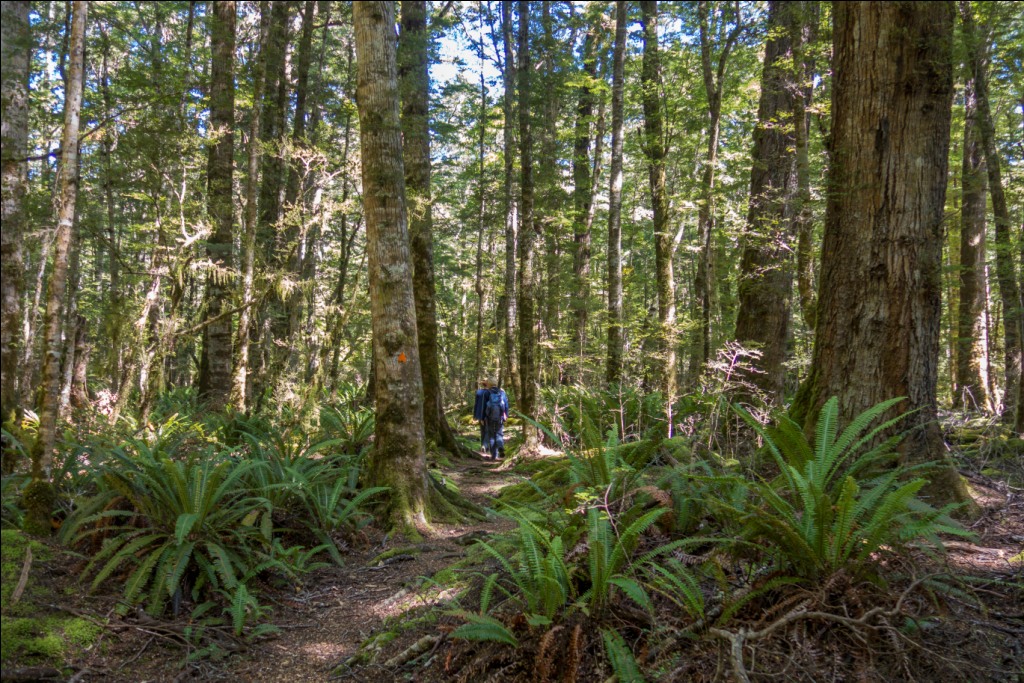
x=655 y=151
x=15 y=57
x=509 y=371
x=215 y=374
x=613 y=370
x=972 y=334
x=39 y=502
x=528 y=236
x=240 y=372
x=879 y=302
x=766 y=274
x=399 y=456
x=1006 y=270
x=414 y=75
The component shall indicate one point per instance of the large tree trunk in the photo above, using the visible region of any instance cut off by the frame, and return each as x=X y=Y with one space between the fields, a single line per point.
x=509 y=371
x=215 y=374
x=527 y=285
x=655 y=151
x=240 y=372
x=399 y=457
x=766 y=278
x=613 y=369
x=414 y=63
x=1006 y=270
x=15 y=53
x=972 y=333
x=39 y=497
x=880 y=297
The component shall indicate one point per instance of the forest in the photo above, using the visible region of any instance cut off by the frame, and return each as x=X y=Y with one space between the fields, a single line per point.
x=535 y=341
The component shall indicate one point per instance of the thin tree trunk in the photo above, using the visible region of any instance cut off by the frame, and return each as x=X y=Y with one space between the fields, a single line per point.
x=613 y=371
x=655 y=151
x=509 y=371
x=41 y=500
x=548 y=204
x=15 y=57
x=215 y=374
x=971 y=336
x=528 y=274
x=481 y=213
x=1006 y=270
x=806 y=33
x=879 y=302
x=399 y=456
x=240 y=373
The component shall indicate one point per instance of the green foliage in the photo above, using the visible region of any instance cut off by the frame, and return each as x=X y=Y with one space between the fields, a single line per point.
x=482 y=627
x=830 y=509
x=623 y=663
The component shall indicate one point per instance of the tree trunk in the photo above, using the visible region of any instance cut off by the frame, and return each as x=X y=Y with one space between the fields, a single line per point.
x=880 y=297
x=655 y=151
x=509 y=371
x=971 y=336
x=414 y=64
x=583 y=195
x=527 y=284
x=766 y=278
x=15 y=56
x=215 y=375
x=399 y=457
x=240 y=373
x=714 y=82
x=39 y=496
x=802 y=213
x=1006 y=270
x=548 y=205
x=613 y=370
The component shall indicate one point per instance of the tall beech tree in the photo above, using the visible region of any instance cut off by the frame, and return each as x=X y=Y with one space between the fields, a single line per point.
x=655 y=151
x=414 y=75
x=766 y=273
x=39 y=496
x=399 y=455
x=215 y=367
x=15 y=53
x=613 y=369
x=877 y=333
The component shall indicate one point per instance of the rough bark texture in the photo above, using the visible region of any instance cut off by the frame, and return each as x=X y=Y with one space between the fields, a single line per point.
x=1006 y=270
x=807 y=33
x=39 y=505
x=240 y=372
x=529 y=372
x=215 y=371
x=655 y=151
x=509 y=375
x=972 y=333
x=15 y=50
x=613 y=370
x=877 y=332
x=766 y=278
x=414 y=63
x=399 y=457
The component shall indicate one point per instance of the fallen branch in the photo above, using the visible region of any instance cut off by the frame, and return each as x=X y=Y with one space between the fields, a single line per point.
x=23 y=580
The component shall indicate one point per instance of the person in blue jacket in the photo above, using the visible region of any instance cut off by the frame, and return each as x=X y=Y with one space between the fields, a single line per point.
x=478 y=412
x=495 y=413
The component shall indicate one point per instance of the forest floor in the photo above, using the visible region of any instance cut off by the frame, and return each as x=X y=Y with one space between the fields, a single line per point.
x=384 y=589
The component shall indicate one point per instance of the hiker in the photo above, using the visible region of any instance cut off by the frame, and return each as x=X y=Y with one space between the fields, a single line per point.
x=478 y=412
x=495 y=414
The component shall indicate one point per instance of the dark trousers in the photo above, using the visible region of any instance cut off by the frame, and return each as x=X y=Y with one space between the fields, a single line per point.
x=483 y=433
x=494 y=439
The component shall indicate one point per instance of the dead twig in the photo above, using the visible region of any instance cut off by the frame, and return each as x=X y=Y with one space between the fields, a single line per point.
x=23 y=580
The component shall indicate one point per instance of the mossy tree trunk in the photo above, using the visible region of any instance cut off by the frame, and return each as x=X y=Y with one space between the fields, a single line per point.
x=215 y=369
x=877 y=333
x=14 y=70
x=613 y=367
x=655 y=149
x=39 y=496
x=399 y=456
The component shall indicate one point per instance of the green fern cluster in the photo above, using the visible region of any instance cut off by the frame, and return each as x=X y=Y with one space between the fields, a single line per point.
x=832 y=507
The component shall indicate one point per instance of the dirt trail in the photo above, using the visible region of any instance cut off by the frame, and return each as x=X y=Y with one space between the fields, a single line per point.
x=324 y=624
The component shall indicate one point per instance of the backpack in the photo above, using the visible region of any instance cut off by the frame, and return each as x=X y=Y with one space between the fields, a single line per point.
x=494 y=411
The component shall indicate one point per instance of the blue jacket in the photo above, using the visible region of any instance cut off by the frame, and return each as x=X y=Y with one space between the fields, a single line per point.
x=504 y=401
x=478 y=407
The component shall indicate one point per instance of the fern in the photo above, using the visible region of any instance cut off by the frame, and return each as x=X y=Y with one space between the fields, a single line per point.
x=621 y=658
x=482 y=627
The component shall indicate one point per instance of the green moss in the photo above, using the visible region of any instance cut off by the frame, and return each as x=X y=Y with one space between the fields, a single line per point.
x=394 y=552
x=13 y=544
x=81 y=633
